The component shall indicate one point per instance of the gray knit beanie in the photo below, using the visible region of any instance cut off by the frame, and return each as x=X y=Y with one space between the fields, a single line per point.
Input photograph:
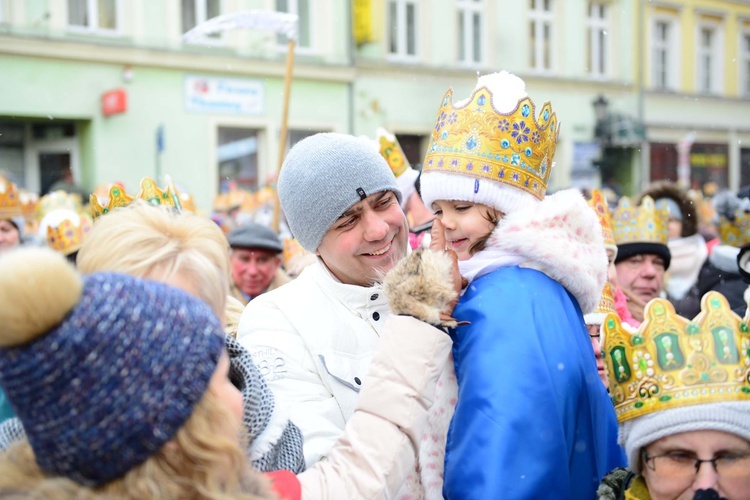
x=325 y=174
x=732 y=417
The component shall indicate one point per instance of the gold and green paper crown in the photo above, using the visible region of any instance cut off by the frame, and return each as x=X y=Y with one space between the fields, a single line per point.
x=735 y=233
x=670 y=362
x=391 y=150
x=646 y=223
x=68 y=237
x=149 y=192
x=476 y=140
x=599 y=203
x=10 y=203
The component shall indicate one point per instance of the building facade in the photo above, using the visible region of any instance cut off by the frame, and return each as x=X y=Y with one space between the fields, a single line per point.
x=110 y=88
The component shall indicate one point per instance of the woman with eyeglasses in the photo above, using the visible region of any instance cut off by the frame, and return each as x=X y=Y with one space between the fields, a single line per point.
x=681 y=391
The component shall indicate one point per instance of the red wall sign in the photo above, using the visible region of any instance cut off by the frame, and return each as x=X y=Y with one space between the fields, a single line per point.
x=114 y=101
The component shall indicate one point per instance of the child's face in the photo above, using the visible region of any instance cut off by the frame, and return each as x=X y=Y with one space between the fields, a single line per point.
x=465 y=223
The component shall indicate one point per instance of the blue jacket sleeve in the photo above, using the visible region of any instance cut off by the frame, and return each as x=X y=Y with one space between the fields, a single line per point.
x=523 y=426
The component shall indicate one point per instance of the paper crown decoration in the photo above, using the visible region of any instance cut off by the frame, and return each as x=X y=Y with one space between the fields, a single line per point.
x=644 y=224
x=149 y=192
x=606 y=305
x=390 y=149
x=58 y=200
x=671 y=362
x=476 y=140
x=735 y=232
x=10 y=203
x=68 y=236
x=599 y=203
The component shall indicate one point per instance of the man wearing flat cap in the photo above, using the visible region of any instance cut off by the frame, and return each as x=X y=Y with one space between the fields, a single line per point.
x=255 y=261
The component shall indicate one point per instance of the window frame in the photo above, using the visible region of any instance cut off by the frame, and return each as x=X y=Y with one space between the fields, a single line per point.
x=716 y=54
x=293 y=8
x=200 y=16
x=538 y=17
x=744 y=56
x=470 y=8
x=402 y=35
x=672 y=48
x=93 y=8
x=595 y=50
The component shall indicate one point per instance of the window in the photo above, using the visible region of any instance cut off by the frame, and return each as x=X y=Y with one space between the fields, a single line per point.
x=304 y=11
x=402 y=38
x=664 y=54
x=597 y=52
x=195 y=12
x=470 y=30
x=708 y=63
x=541 y=34
x=745 y=65
x=237 y=157
x=93 y=15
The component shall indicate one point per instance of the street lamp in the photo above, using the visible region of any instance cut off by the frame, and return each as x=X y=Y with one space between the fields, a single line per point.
x=601 y=106
x=602 y=130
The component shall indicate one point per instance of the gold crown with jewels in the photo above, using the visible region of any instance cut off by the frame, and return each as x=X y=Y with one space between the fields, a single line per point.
x=599 y=203
x=646 y=223
x=149 y=192
x=476 y=140
x=670 y=362
x=735 y=232
x=57 y=200
x=10 y=202
x=68 y=237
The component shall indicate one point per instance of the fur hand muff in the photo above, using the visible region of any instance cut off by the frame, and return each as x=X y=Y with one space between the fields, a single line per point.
x=421 y=286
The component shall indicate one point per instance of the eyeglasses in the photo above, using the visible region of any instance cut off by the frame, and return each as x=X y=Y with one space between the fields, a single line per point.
x=682 y=466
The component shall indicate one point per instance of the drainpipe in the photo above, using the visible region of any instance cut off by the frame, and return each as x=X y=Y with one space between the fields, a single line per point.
x=351 y=47
x=645 y=153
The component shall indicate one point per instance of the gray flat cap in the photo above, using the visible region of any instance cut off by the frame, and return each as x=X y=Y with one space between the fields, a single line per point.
x=255 y=236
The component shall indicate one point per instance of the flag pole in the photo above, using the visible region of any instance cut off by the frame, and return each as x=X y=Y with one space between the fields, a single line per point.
x=284 y=132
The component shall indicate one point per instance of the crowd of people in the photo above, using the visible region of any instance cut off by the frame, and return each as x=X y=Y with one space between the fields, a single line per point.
x=454 y=332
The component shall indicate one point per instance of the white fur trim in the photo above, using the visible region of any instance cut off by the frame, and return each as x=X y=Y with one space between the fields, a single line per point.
x=594 y=318
x=458 y=187
x=560 y=237
x=267 y=439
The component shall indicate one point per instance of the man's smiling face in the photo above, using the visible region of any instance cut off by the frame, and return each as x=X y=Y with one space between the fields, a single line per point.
x=366 y=241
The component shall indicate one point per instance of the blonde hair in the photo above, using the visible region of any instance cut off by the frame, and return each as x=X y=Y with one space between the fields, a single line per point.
x=232 y=315
x=200 y=462
x=149 y=242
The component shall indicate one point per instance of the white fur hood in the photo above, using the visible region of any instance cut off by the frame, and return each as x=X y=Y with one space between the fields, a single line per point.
x=561 y=237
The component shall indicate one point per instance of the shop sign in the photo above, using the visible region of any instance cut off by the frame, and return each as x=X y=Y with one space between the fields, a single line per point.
x=114 y=102
x=235 y=96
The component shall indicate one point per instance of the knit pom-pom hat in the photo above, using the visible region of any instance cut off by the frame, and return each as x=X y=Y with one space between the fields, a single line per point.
x=101 y=370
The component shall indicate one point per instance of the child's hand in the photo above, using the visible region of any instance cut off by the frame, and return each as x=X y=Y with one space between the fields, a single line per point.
x=438 y=244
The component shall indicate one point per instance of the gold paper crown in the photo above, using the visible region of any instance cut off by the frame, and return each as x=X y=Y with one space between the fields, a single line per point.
x=599 y=203
x=149 y=192
x=478 y=141
x=735 y=233
x=292 y=248
x=10 y=203
x=391 y=150
x=644 y=224
x=68 y=237
x=606 y=301
x=671 y=362
x=57 y=200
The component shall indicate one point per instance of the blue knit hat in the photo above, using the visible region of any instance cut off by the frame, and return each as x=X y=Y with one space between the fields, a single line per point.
x=325 y=174
x=102 y=390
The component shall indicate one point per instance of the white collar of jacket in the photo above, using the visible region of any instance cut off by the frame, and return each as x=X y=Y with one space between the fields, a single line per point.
x=561 y=237
x=362 y=301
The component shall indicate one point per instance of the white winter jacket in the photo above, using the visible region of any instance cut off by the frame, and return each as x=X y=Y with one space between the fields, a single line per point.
x=313 y=340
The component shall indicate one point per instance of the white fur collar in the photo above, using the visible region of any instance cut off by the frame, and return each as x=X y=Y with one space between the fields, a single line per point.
x=561 y=237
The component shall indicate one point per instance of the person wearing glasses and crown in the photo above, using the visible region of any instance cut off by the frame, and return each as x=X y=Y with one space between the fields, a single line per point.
x=532 y=419
x=681 y=391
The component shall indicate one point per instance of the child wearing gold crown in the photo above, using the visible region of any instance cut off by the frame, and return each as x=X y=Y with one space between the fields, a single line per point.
x=533 y=419
x=681 y=391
